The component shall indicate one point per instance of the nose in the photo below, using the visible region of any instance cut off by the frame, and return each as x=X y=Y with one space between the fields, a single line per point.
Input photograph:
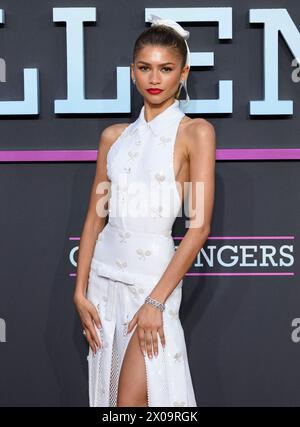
x=154 y=77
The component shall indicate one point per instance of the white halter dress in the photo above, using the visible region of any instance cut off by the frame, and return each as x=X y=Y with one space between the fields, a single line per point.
x=131 y=254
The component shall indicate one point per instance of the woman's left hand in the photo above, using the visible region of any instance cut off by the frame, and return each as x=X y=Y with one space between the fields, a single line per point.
x=149 y=322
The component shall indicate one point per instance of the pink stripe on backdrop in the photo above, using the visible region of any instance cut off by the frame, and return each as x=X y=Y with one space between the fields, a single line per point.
x=258 y=154
x=91 y=155
x=240 y=274
x=48 y=156
x=227 y=274
x=230 y=237
x=244 y=237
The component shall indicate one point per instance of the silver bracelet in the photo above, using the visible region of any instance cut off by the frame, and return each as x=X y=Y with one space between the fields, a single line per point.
x=156 y=304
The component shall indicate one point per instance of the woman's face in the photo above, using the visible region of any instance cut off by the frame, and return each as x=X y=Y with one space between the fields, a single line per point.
x=160 y=68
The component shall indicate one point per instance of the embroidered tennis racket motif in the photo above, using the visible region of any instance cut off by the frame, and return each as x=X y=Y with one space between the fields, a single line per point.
x=127 y=132
x=124 y=236
x=133 y=132
x=160 y=177
x=132 y=155
x=157 y=211
x=179 y=403
x=143 y=254
x=164 y=140
x=133 y=290
x=173 y=314
x=121 y=264
x=178 y=357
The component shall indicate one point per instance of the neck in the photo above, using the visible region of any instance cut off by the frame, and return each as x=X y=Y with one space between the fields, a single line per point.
x=152 y=110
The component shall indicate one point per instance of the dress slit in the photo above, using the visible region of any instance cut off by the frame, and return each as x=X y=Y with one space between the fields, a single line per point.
x=114 y=373
x=126 y=340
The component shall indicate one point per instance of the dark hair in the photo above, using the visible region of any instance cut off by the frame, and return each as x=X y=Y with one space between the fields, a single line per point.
x=162 y=35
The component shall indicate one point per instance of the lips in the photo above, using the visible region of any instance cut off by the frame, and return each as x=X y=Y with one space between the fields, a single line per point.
x=154 y=91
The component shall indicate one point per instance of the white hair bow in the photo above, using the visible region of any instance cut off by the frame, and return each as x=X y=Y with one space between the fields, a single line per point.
x=156 y=20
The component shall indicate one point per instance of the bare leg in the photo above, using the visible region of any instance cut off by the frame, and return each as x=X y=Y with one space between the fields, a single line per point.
x=132 y=389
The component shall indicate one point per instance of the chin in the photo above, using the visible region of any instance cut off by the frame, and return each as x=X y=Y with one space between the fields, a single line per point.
x=156 y=99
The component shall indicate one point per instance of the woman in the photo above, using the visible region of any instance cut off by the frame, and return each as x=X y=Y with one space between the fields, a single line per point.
x=129 y=277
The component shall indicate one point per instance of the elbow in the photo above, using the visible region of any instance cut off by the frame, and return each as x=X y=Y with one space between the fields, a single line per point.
x=199 y=236
x=203 y=230
x=207 y=230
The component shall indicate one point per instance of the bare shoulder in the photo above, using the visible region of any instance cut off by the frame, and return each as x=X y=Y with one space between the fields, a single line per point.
x=110 y=134
x=198 y=133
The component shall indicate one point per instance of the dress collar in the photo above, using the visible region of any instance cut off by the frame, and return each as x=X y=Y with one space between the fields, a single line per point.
x=159 y=122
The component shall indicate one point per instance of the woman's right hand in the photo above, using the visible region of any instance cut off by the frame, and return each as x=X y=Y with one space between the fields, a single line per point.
x=89 y=318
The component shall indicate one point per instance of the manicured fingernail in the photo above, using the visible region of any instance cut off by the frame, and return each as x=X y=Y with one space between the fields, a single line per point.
x=155 y=354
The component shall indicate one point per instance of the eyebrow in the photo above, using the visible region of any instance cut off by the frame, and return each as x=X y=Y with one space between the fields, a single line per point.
x=147 y=63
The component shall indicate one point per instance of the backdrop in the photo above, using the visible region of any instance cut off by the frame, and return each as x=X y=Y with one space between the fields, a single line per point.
x=64 y=74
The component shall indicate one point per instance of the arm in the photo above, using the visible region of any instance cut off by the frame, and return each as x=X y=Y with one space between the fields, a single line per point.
x=95 y=218
x=202 y=149
x=94 y=223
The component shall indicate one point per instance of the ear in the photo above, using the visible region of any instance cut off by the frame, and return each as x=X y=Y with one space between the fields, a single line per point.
x=131 y=69
x=185 y=72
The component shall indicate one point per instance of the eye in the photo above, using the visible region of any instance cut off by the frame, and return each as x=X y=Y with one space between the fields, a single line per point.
x=167 y=68
x=143 y=66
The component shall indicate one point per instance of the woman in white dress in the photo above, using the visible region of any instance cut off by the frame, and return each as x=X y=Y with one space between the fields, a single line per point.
x=129 y=276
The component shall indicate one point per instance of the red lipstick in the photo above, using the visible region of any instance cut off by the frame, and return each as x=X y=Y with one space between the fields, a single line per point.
x=154 y=91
